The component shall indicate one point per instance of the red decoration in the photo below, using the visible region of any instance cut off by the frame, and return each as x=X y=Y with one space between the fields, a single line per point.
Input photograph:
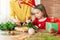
x=30 y=3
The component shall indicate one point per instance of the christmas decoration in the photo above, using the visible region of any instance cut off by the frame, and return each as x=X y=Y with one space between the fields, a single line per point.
x=8 y=26
x=31 y=31
x=30 y=25
x=50 y=26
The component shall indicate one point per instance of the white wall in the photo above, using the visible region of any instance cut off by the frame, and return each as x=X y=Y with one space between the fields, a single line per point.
x=5 y=10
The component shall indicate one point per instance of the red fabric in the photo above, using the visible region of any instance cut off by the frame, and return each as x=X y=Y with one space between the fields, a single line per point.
x=36 y=22
x=30 y=3
x=54 y=20
x=58 y=21
x=59 y=27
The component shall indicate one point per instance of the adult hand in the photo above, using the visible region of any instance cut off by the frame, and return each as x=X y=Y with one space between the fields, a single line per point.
x=16 y=21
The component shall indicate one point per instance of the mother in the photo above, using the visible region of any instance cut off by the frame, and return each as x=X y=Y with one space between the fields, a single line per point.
x=20 y=10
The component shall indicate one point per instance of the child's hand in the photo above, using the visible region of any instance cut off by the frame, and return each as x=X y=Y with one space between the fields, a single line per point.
x=28 y=19
x=18 y=24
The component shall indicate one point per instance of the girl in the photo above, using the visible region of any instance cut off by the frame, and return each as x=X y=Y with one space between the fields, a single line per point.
x=41 y=16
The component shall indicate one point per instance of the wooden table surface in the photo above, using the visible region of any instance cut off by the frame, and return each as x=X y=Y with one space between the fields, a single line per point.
x=20 y=36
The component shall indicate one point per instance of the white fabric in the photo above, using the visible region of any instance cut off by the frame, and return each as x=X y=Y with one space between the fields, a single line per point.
x=42 y=19
x=39 y=25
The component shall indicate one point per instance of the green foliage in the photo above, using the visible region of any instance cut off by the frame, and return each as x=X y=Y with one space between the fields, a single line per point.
x=39 y=7
x=3 y=26
x=30 y=25
x=7 y=26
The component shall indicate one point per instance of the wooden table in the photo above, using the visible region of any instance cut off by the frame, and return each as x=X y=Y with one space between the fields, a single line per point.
x=19 y=36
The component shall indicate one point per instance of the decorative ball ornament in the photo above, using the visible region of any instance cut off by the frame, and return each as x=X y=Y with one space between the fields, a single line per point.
x=31 y=31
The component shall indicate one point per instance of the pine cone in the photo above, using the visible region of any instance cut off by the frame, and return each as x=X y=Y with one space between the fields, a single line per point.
x=52 y=30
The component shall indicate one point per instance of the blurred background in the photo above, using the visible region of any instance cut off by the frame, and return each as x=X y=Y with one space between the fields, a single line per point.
x=4 y=10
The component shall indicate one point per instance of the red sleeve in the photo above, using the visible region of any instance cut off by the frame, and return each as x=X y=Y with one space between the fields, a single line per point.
x=34 y=22
x=48 y=20
x=55 y=20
